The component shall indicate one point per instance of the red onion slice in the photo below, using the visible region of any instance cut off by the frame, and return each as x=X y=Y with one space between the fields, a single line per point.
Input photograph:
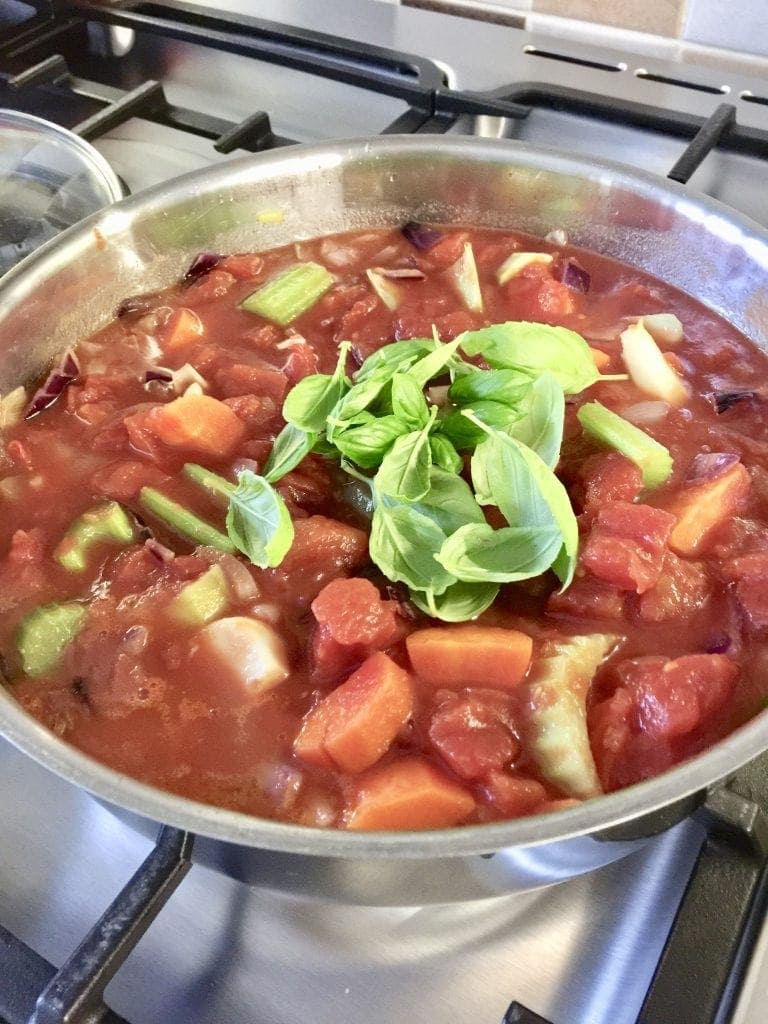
x=134 y=305
x=401 y=273
x=55 y=383
x=708 y=465
x=574 y=276
x=201 y=265
x=163 y=554
x=420 y=236
x=724 y=400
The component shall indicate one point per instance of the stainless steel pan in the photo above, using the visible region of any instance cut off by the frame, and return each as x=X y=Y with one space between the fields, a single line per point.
x=73 y=285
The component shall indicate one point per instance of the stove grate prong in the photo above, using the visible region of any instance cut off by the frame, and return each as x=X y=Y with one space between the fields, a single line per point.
x=715 y=128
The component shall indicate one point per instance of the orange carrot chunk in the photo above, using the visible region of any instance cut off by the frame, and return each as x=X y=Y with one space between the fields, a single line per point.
x=182 y=330
x=601 y=359
x=357 y=722
x=198 y=423
x=470 y=656
x=702 y=507
x=408 y=794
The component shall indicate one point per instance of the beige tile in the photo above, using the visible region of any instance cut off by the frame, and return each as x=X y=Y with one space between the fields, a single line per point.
x=660 y=17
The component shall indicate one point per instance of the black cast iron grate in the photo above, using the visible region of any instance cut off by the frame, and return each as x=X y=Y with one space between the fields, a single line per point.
x=707 y=952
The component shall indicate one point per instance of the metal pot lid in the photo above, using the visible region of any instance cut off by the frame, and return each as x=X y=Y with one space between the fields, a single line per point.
x=49 y=180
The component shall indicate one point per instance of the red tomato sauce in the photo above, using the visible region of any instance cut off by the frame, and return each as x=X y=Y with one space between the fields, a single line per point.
x=395 y=747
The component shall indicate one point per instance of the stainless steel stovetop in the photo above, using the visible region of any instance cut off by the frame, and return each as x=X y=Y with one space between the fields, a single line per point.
x=583 y=952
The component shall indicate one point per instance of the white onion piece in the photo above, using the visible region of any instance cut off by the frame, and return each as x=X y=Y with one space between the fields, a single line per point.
x=194 y=389
x=557 y=236
x=645 y=413
x=249 y=649
x=267 y=612
x=517 y=262
x=12 y=407
x=648 y=368
x=464 y=275
x=664 y=327
x=242 y=585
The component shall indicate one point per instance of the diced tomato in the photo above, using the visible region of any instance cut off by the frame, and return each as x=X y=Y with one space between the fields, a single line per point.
x=446 y=251
x=301 y=362
x=471 y=732
x=246 y=266
x=183 y=330
x=589 y=598
x=470 y=655
x=307 y=486
x=328 y=659
x=256 y=413
x=322 y=550
x=212 y=286
x=752 y=595
x=514 y=795
x=244 y=379
x=353 y=320
x=408 y=794
x=535 y=295
x=608 y=476
x=622 y=754
x=452 y=325
x=27 y=547
x=354 y=613
x=683 y=588
x=358 y=721
x=626 y=545
x=123 y=480
x=263 y=339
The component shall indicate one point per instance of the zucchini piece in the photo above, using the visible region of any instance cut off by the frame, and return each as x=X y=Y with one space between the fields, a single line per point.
x=558 y=723
x=463 y=274
x=290 y=294
x=518 y=261
x=202 y=600
x=106 y=522
x=184 y=522
x=652 y=458
x=45 y=633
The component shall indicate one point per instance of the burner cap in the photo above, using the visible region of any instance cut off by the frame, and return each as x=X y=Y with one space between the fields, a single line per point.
x=49 y=180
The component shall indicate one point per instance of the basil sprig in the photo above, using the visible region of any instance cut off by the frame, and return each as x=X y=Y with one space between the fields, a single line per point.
x=398 y=427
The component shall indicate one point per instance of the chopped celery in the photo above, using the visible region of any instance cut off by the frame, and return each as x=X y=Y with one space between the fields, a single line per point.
x=216 y=485
x=44 y=634
x=517 y=262
x=182 y=521
x=202 y=600
x=290 y=294
x=652 y=458
x=387 y=290
x=106 y=522
x=465 y=279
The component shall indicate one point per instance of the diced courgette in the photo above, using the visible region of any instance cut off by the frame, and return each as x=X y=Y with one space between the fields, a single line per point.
x=202 y=600
x=108 y=522
x=290 y=294
x=44 y=634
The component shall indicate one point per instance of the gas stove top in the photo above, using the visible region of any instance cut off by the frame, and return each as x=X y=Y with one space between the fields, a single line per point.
x=670 y=933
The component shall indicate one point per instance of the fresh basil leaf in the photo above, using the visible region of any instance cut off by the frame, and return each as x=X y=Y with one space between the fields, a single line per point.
x=464 y=434
x=476 y=553
x=352 y=404
x=505 y=386
x=289 y=448
x=435 y=362
x=444 y=454
x=459 y=602
x=258 y=522
x=408 y=401
x=368 y=443
x=449 y=502
x=310 y=402
x=403 y=544
x=535 y=347
x=543 y=413
x=395 y=357
x=404 y=470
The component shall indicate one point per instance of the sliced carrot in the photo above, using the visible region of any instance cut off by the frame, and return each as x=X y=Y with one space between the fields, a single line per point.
x=183 y=329
x=198 y=423
x=470 y=656
x=357 y=722
x=601 y=359
x=409 y=794
x=702 y=507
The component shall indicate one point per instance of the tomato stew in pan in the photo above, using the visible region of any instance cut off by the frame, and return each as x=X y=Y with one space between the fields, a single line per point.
x=396 y=529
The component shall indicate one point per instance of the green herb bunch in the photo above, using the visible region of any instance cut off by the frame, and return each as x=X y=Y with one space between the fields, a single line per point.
x=408 y=424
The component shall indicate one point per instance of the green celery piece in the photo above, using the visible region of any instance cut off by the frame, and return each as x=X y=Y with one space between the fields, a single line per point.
x=556 y=696
x=653 y=460
x=44 y=633
x=290 y=294
x=106 y=522
x=202 y=600
x=184 y=522
x=216 y=485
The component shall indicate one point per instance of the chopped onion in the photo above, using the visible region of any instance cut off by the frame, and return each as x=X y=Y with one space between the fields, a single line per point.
x=401 y=272
x=648 y=368
x=267 y=612
x=387 y=291
x=242 y=585
x=575 y=277
x=159 y=551
x=420 y=236
x=664 y=327
x=643 y=413
x=724 y=400
x=158 y=374
x=201 y=265
x=12 y=407
x=518 y=261
x=135 y=639
x=466 y=281
x=709 y=465
x=557 y=236
x=55 y=383
x=181 y=380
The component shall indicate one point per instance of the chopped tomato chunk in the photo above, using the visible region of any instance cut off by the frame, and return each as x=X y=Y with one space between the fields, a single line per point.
x=356 y=723
x=408 y=794
x=626 y=545
x=470 y=656
x=608 y=476
x=472 y=733
x=354 y=613
x=514 y=795
x=683 y=588
x=589 y=598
